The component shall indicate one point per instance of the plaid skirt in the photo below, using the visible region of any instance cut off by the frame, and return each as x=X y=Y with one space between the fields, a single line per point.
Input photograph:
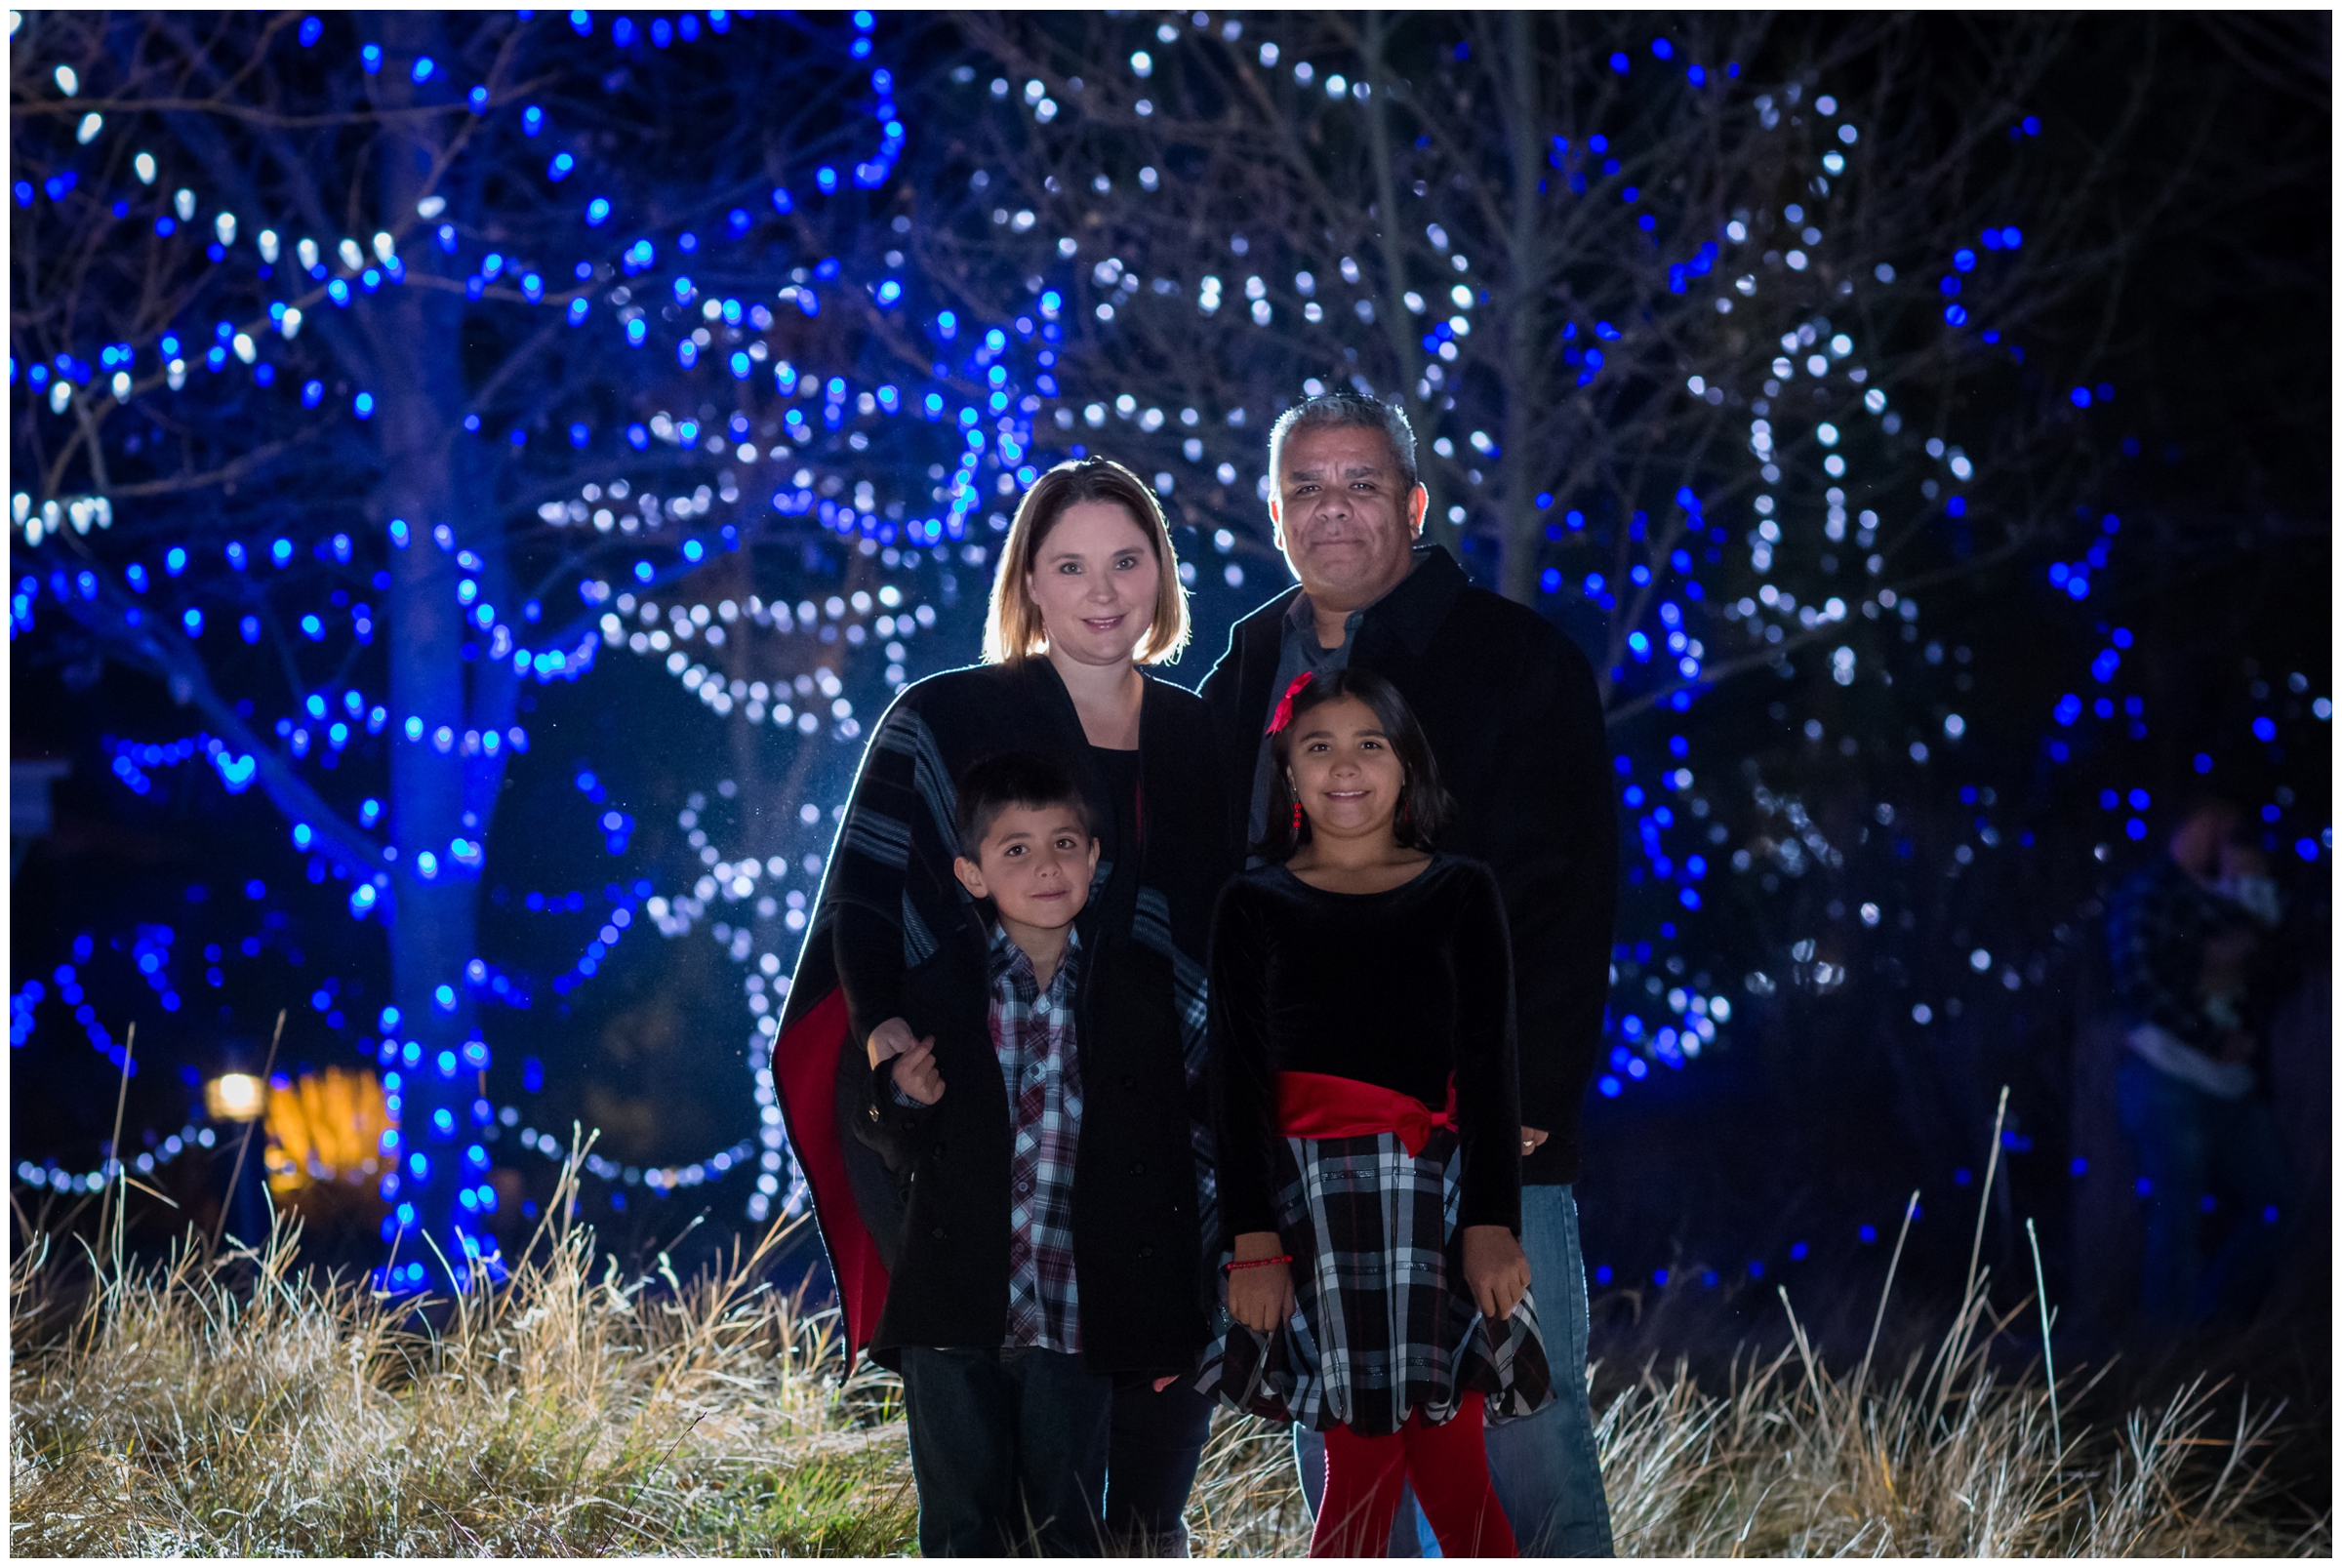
x=1381 y=1323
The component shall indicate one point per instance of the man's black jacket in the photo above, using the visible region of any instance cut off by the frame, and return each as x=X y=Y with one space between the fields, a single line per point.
x=1511 y=708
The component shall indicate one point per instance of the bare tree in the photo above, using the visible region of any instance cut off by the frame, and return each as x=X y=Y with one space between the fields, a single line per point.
x=376 y=367
x=1731 y=340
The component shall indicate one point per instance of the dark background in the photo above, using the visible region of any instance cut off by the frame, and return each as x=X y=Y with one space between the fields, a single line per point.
x=1804 y=1136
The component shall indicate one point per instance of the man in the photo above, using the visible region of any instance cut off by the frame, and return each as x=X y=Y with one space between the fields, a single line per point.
x=2187 y=1090
x=1513 y=716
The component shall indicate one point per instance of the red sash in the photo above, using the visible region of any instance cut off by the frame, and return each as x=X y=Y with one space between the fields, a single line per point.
x=1318 y=1105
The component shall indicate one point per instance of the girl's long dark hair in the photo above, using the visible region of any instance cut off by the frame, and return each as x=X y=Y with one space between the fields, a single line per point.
x=1424 y=804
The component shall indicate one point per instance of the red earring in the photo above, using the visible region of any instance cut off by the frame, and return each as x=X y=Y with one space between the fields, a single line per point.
x=1297 y=822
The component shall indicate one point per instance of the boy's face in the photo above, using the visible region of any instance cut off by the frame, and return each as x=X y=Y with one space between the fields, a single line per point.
x=1036 y=863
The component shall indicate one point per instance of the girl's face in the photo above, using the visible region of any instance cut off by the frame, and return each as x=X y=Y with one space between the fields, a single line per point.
x=1344 y=770
x=1094 y=580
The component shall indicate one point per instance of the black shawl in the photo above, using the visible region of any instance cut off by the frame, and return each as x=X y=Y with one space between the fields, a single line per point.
x=1143 y=1190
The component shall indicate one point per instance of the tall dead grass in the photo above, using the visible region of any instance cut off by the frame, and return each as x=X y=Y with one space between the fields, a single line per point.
x=240 y=1406
x=1950 y=1459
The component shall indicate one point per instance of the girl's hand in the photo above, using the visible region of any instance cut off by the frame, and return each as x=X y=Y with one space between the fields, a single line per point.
x=890 y=1038
x=1495 y=1269
x=915 y=1074
x=1261 y=1298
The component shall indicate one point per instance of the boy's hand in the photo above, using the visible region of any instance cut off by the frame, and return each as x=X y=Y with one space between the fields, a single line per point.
x=890 y=1038
x=1495 y=1269
x=915 y=1074
x=1261 y=1298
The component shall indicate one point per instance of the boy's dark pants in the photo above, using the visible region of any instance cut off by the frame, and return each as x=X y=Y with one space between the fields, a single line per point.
x=1009 y=1449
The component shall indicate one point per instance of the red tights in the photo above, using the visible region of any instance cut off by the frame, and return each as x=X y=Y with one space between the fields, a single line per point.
x=1448 y=1465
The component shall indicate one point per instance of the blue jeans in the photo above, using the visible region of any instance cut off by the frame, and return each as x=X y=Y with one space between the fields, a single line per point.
x=1008 y=1448
x=1158 y=1440
x=1545 y=1472
x=2196 y=1153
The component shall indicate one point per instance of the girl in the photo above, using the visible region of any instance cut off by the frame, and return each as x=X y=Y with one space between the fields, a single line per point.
x=1369 y=1129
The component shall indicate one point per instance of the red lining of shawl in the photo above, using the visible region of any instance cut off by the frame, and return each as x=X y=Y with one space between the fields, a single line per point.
x=805 y=1070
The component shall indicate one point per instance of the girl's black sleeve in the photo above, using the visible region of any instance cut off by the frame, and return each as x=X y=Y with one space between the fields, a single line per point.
x=1487 y=1060
x=1244 y=1078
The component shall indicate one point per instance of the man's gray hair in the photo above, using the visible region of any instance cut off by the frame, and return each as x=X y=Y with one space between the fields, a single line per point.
x=1344 y=411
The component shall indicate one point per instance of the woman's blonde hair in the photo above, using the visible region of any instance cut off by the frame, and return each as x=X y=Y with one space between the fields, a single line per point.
x=1013 y=628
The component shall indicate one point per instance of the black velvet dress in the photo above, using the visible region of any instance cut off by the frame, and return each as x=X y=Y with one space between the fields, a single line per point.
x=1408 y=990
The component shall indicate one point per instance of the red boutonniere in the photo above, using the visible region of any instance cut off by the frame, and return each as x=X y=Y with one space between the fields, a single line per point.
x=1284 y=704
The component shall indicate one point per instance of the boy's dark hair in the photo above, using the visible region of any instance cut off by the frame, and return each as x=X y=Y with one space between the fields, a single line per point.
x=1423 y=803
x=1014 y=779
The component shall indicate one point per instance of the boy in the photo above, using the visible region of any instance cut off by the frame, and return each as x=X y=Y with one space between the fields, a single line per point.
x=1008 y=1429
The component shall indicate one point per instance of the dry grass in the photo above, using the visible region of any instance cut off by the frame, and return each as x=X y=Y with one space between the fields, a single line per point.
x=1790 y=1461
x=242 y=1407
x=1951 y=1460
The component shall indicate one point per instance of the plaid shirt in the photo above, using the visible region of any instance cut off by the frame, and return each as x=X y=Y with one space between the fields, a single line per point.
x=1040 y=1066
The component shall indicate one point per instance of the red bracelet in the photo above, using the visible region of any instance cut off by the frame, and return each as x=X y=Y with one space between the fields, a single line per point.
x=1260 y=1263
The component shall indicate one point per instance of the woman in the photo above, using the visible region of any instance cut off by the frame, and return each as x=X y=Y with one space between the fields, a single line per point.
x=1086 y=598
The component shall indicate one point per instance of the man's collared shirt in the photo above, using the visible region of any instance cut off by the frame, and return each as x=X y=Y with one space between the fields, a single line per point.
x=1040 y=1066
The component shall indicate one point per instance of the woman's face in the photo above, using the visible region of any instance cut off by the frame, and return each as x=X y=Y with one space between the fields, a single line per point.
x=1095 y=580
x=1344 y=770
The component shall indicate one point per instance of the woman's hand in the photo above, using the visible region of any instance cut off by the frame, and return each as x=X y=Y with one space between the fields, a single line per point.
x=1261 y=1298
x=890 y=1038
x=1495 y=1269
x=915 y=1073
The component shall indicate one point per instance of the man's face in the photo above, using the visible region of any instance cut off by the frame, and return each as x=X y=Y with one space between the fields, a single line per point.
x=1345 y=517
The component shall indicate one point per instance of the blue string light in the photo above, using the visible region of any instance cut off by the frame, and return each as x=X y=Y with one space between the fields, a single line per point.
x=993 y=398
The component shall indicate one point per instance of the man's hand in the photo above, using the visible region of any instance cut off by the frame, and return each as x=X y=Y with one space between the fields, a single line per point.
x=915 y=1074
x=1532 y=1138
x=1262 y=1298
x=890 y=1038
x=1495 y=1269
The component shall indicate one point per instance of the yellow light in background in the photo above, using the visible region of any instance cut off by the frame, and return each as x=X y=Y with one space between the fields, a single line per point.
x=326 y=1127
x=235 y=1096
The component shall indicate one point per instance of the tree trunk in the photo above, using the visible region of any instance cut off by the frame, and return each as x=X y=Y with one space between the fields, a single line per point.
x=432 y=909
x=1521 y=527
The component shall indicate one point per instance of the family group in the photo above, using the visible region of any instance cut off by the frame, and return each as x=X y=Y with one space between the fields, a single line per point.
x=1154 y=1048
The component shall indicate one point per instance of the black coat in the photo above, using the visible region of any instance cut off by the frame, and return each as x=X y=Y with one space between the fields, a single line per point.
x=1514 y=717
x=938 y=1208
